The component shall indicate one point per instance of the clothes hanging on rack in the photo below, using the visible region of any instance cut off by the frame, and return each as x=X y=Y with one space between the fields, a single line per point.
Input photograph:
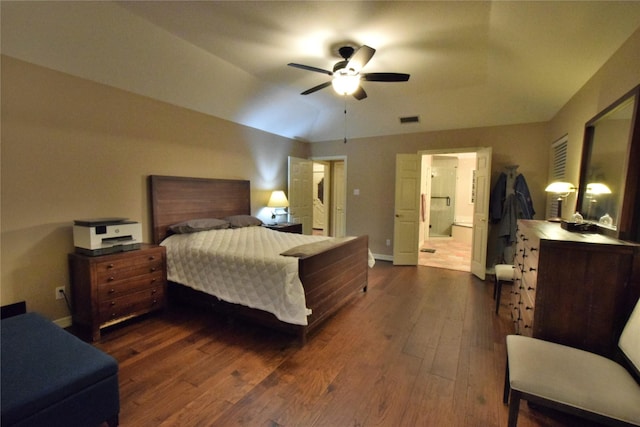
x=510 y=200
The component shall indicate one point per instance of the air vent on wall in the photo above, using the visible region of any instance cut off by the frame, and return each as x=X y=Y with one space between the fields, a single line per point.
x=409 y=119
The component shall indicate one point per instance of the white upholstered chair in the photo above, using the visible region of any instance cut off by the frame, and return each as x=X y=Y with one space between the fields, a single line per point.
x=576 y=381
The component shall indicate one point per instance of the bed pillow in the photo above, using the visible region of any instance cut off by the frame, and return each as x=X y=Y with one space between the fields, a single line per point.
x=199 y=224
x=239 y=221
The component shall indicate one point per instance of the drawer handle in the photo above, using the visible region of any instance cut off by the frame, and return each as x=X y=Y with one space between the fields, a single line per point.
x=111 y=290
x=153 y=291
x=151 y=258
x=532 y=269
x=154 y=301
x=113 y=303
x=528 y=308
x=527 y=326
x=110 y=266
x=111 y=278
x=531 y=289
x=533 y=249
x=153 y=269
x=153 y=280
x=524 y=239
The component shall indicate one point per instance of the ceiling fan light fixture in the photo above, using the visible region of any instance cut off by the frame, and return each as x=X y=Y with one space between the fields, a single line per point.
x=345 y=83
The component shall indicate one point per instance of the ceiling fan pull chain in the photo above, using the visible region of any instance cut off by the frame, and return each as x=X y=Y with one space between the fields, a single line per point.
x=345 y=119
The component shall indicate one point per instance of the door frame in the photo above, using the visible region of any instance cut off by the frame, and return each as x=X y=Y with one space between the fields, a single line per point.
x=331 y=208
x=421 y=153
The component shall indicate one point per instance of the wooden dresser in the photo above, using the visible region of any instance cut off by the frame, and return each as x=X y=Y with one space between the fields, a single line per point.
x=572 y=288
x=112 y=288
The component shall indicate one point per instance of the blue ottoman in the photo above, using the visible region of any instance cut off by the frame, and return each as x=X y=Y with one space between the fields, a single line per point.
x=51 y=378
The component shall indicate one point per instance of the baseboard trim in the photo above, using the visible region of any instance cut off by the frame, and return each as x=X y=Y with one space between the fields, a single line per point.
x=63 y=322
x=383 y=257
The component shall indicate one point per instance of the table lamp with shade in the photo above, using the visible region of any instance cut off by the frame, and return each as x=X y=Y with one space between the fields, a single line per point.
x=278 y=201
x=594 y=190
x=562 y=190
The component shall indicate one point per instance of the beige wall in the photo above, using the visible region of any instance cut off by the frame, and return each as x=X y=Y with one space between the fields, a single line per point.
x=371 y=161
x=371 y=169
x=76 y=149
x=617 y=76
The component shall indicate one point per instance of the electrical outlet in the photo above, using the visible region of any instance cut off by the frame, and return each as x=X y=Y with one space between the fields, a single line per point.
x=60 y=292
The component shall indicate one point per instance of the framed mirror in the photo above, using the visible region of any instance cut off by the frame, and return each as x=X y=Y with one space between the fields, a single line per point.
x=608 y=189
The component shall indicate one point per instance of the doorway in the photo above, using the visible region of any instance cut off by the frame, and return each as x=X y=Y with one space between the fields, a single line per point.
x=412 y=196
x=317 y=195
x=329 y=202
x=448 y=196
x=320 y=211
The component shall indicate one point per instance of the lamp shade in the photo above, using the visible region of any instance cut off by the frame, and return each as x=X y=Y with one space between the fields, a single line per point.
x=598 y=188
x=560 y=187
x=278 y=200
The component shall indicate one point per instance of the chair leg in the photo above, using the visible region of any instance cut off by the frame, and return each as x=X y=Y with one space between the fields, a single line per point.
x=498 y=294
x=514 y=407
x=495 y=286
x=507 y=386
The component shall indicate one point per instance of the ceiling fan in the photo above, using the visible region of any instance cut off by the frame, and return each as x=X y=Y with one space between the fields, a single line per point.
x=346 y=73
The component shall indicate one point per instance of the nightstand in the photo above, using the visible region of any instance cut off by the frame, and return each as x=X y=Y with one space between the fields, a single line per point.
x=285 y=227
x=112 y=288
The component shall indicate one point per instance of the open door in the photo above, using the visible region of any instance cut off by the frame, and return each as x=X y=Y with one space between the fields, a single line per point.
x=407 y=210
x=481 y=213
x=301 y=192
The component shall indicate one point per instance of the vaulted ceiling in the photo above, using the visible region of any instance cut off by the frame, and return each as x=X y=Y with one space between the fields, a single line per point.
x=472 y=64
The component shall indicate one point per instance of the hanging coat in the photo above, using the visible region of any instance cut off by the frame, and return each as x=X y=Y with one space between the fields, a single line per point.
x=497 y=197
x=524 y=197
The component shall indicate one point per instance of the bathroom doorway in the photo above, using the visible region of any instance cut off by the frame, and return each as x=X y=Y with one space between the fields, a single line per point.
x=448 y=198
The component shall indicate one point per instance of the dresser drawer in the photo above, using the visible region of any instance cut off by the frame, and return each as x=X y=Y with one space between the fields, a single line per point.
x=116 y=289
x=111 y=288
x=110 y=271
x=131 y=304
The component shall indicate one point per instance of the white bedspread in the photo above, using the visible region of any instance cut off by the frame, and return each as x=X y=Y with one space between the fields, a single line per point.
x=242 y=266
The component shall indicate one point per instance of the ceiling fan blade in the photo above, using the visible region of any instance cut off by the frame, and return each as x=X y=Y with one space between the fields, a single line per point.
x=316 y=88
x=385 y=77
x=360 y=58
x=359 y=94
x=310 y=68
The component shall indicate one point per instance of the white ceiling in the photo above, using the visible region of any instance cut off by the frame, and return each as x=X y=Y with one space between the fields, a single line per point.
x=471 y=63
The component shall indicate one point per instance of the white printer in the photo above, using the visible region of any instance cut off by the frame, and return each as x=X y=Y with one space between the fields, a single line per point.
x=101 y=236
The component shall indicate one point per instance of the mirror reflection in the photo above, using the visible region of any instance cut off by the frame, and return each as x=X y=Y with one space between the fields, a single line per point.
x=604 y=178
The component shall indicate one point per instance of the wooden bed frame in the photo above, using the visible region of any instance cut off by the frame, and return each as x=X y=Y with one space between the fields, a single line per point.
x=330 y=278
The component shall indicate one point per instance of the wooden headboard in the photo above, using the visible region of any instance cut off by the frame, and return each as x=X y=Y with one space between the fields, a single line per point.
x=175 y=199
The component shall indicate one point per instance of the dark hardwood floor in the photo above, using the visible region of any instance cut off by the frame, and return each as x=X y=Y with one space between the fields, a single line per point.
x=421 y=348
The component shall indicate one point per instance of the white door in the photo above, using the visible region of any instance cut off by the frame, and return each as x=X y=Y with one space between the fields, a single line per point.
x=407 y=210
x=301 y=192
x=481 y=213
x=339 y=192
